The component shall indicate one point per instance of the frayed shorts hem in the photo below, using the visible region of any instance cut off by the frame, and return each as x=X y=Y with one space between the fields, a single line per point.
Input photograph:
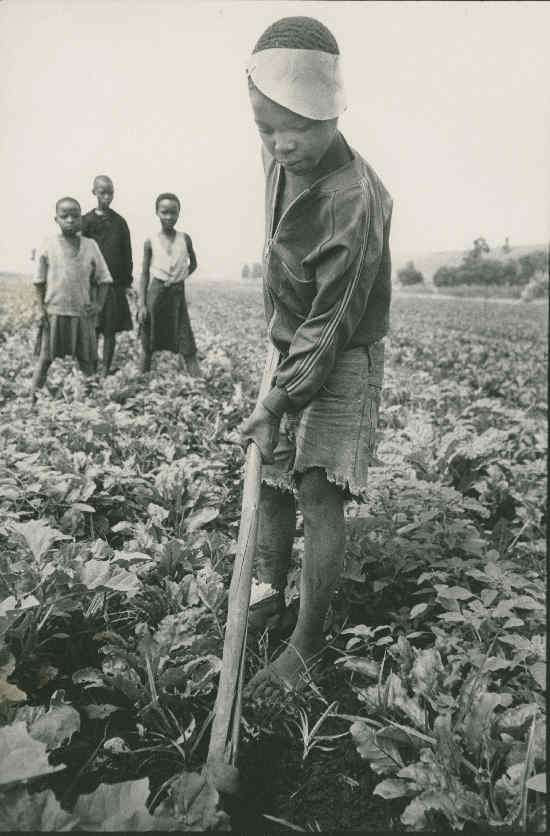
x=336 y=431
x=288 y=483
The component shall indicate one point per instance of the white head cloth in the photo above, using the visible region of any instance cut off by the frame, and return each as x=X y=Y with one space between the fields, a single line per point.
x=306 y=81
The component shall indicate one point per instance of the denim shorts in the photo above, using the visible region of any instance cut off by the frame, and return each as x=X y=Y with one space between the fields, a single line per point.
x=337 y=429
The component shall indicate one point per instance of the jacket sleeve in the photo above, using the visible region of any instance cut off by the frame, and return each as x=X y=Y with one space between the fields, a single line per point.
x=344 y=269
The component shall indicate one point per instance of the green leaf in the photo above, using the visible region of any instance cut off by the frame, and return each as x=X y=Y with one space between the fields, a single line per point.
x=366 y=667
x=417 y=610
x=525 y=602
x=391 y=788
x=21 y=811
x=38 y=536
x=382 y=755
x=478 y=720
x=157 y=514
x=515 y=718
x=117 y=807
x=21 y=756
x=194 y=801
x=504 y=609
x=452 y=616
x=100 y=712
x=57 y=726
x=102 y=573
x=9 y=692
x=88 y=678
x=116 y=746
x=201 y=517
x=513 y=622
x=455 y=593
x=496 y=663
x=426 y=671
x=538 y=672
x=537 y=783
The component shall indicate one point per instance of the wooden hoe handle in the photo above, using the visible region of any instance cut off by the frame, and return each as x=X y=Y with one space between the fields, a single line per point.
x=224 y=737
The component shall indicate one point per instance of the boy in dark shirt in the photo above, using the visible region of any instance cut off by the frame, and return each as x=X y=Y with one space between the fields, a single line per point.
x=110 y=231
x=327 y=288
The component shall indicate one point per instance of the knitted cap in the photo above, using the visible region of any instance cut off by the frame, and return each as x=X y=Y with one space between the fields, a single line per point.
x=298 y=33
x=296 y=63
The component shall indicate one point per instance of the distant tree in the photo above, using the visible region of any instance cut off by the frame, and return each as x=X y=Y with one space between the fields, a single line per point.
x=506 y=246
x=33 y=254
x=257 y=271
x=537 y=287
x=532 y=263
x=476 y=253
x=487 y=271
x=245 y=272
x=409 y=274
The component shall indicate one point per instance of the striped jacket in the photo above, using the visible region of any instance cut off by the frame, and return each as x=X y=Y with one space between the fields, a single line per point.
x=327 y=276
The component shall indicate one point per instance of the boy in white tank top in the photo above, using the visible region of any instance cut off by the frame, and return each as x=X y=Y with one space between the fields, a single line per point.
x=168 y=260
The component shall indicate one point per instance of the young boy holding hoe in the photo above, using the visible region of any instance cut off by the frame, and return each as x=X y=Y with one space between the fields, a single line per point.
x=327 y=289
x=71 y=284
x=110 y=231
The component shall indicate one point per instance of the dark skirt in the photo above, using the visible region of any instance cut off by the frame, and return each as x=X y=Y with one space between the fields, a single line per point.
x=72 y=336
x=115 y=315
x=167 y=327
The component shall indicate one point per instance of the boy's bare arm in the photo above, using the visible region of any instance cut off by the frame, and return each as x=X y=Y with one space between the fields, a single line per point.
x=192 y=256
x=41 y=285
x=127 y=246
x=144 y=280
x=102 y=291
x=40 y=292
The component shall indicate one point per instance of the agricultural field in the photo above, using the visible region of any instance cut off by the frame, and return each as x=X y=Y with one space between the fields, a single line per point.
x=119 y=509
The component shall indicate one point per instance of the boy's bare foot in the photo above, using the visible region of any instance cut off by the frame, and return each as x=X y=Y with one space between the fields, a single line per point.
x=265 y=614
x=287 y=673
x=192 y=366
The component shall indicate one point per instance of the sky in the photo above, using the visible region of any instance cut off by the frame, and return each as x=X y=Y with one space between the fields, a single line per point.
x=448 y=101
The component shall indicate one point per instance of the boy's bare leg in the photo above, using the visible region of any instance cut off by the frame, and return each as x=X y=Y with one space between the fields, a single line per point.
x=40 y=374
x=322 y=506
x=276 y=529
x=87 y=369
x=109 y=344
x=190 y=364
x=146 y=359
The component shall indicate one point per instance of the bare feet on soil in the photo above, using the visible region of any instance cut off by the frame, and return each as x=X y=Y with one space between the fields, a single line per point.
x=287 y=673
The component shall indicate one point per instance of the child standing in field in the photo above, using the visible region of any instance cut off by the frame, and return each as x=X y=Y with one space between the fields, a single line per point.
x=111 y=233
x=327 y=289
x=71 y=284
x=168 y=260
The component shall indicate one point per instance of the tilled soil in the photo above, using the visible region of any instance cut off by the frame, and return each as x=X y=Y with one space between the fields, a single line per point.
x=326 y=791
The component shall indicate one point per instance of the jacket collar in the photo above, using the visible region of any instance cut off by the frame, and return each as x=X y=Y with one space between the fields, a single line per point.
x=348 y=175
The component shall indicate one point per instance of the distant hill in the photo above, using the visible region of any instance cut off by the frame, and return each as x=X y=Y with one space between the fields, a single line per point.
x=429 y=263
x=9 y=276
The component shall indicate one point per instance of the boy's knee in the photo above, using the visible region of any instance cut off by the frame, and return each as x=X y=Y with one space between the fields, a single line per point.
x=317 y=492
x=274 y=501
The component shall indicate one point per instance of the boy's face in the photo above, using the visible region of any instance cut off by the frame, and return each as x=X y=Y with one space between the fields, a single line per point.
x=299 y=144
x=68 y=216
x=168 y=212
x=104 y=191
